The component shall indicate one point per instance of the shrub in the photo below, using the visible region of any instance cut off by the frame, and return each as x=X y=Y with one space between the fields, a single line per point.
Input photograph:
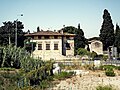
x=105 y=88
x=106 y=67
x=118 y=67
x=110 y=73
x=63 y=75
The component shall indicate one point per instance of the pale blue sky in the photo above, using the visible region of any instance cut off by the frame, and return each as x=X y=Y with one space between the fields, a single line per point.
x=54 y=14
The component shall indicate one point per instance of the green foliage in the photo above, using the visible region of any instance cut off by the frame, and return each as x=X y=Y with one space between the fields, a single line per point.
x=105 y=57
x=105 y=87
x=117 y=38
x=93 y=54
x=110 y=73
x=7 y=69
x=109 y=70
x=12 y=56
x=107 y=31
x=63 y=75
x=32 y=71
x=69 y=29
x=80 y=40
x=118 y=67
x=8 y=80
x=7 y=33
x=108 y=67
x=82 y=51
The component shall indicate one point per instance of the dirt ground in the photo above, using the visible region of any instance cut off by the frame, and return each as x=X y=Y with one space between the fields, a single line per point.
x=89 y=81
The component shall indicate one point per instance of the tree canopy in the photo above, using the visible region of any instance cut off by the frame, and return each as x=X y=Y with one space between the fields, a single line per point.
x=117 y=38
x=107 y=31
x=80 y=40
x=7 y=33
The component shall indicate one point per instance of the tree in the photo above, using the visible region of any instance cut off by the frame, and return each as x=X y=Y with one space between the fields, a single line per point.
x=80 y=40
x=117 y=38
x=69 y=29
x=107 y=31
x=7 y=33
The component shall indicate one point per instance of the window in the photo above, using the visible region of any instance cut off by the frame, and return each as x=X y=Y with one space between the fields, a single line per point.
x=47 y=46
x=39 y=46
x=68 y=46
x=97 y=44
x=46 y=37
x=55 y=37
x=39 y=37
x=55 y=46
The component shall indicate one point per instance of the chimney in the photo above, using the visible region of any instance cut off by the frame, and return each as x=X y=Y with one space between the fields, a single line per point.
x=28 y=32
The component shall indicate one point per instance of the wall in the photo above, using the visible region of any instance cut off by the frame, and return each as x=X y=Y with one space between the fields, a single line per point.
x=71 y=51
x=48 y=54
x=96 y=46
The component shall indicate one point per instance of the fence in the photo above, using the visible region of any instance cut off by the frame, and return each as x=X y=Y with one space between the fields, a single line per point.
x=84 y=62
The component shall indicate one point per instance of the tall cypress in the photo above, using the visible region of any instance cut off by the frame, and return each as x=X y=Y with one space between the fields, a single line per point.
x=107 y=30
x=80 y=40
x=117 y=38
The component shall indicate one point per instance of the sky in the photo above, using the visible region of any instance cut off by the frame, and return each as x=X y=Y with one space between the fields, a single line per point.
x=53 y=14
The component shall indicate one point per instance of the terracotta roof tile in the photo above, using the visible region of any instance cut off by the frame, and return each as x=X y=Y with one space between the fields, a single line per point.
x=48 y=33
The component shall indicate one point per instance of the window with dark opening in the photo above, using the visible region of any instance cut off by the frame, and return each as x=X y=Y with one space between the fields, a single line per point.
x=55 y=46
x=67 y=46
x=39 y=46
x=47 y=46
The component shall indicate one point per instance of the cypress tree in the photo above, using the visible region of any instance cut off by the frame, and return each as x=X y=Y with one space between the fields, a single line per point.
x=117 y=38
x=107 y=31
x=80 y=40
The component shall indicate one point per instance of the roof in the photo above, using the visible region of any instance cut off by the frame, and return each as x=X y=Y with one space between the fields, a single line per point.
x=94 y=38
x=45 y=33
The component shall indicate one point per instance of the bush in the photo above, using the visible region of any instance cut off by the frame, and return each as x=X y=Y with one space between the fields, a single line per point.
x=108 y=70
x=118 y=67
x=104 y=88
x=110 y=73
x=107 y=67
x=63 y=75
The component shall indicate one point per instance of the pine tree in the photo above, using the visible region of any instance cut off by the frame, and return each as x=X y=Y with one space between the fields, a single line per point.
x=107 y=31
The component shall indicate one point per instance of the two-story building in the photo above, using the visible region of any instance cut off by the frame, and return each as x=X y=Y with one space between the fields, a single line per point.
x=52 y=44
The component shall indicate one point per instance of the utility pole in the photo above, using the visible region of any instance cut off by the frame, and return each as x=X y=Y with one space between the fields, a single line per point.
x=16 y=37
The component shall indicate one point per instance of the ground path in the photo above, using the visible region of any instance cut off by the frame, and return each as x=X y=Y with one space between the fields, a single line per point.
x=88 y=82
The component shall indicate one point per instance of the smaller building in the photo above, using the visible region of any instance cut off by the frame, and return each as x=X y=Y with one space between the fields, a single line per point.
x=52 y=44
x=96 y=46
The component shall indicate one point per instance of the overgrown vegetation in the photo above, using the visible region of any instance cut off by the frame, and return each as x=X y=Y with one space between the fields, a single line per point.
x=20 y=70
x=63 y=75
x=109 y=70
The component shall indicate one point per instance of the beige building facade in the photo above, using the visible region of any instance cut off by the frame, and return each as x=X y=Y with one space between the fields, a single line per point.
x=52 y=45
x=96 y=46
